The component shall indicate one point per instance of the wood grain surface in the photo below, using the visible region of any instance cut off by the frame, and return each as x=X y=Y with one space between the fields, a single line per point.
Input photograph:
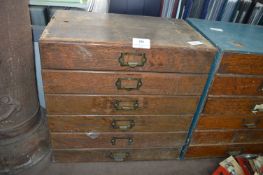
x=90 y=82
x=240 y=63
x=148 y=123
x=104 y=105
x=233 y=105
x=95 y=139
x=210 y=121
x=206 y=151
x=81 y=56
x=227 y=136
x=104 y=155
x=237 y=85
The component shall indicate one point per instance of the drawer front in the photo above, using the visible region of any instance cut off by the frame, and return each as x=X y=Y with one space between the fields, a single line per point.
x=112 y=155
x=234 y=105
x=113 y=105
x=93 y=57
x=207 y=122
x=76 y=123
x=223 y=150
x=237 y=85
x=90 y=82
x=224 y=137
x=95 y=139
x=241 y=64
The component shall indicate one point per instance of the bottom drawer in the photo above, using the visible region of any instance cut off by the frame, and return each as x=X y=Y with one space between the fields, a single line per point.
x=205 y=151
x=117 y=140
x=82 y=155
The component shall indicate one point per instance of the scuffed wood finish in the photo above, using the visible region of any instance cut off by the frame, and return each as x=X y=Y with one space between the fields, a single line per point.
x=104 y=105
x=105 y=83
x=227 y=136
x=206 y=151
x=240 y=63
x=95 y=139
x=81 y=56
x=232 y=105
x=87 y=68
x=151 y=123
x=115 y=29
x=222 y=121
x=82 y=155
x=237 y=85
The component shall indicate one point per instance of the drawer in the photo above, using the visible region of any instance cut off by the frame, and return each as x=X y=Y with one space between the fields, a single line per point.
x=114 y=105
x=90 y=82
x=206 y=151
x=86 y=123
x=238 y=63
x=95 y=139
x=229 y=122
x=81 y=56
x=111 y=155
x=227 y=136
x=237 y=85
x=250 y=106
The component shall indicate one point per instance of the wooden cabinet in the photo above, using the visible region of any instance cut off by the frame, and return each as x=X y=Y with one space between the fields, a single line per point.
x=109 y=101
x=231 y=112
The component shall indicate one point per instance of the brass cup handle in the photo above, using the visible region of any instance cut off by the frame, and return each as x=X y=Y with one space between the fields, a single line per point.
x=115 y=139
x=119 y=156
x=126 y=105
x=128 y=84
x=257 y=108
x=123 y=124
x=139 y=59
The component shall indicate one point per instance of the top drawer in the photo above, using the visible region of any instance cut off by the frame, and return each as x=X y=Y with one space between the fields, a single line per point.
x=110 y=42
x=90 y=57
x=238 y=63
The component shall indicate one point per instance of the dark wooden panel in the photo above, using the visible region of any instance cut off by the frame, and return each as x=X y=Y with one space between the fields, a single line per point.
x=95 y=139
x=206 y=151
x=106 y=155
x=237 y=85
x=103 y=105
x=90 y=57
x=241 y=63
x=105 y=83
x=233 y=105
x=229 y=122
x=227 y=136
x=104 y=123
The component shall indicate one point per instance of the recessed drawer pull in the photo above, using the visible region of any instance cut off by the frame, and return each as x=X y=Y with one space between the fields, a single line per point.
x=128 y=83
x=257 y=108
x=115 y=139
x=123 y=124
x=260 y=89
x=126 y=105
x=119 y=156
x=132 y=59
x=250 y=125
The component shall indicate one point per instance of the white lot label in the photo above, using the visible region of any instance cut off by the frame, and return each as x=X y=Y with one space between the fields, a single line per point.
x=195 y=43
x=141 y=43
x=216 y=29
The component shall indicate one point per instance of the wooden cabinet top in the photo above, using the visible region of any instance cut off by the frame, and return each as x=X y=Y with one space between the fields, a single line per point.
x=119 y=30
x=233 y=37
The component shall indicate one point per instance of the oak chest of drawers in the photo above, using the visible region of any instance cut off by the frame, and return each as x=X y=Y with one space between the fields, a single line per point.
x=109 y=99
x=231 y=110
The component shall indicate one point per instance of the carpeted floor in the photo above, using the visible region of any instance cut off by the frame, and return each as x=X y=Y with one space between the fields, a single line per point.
x=174 y=167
